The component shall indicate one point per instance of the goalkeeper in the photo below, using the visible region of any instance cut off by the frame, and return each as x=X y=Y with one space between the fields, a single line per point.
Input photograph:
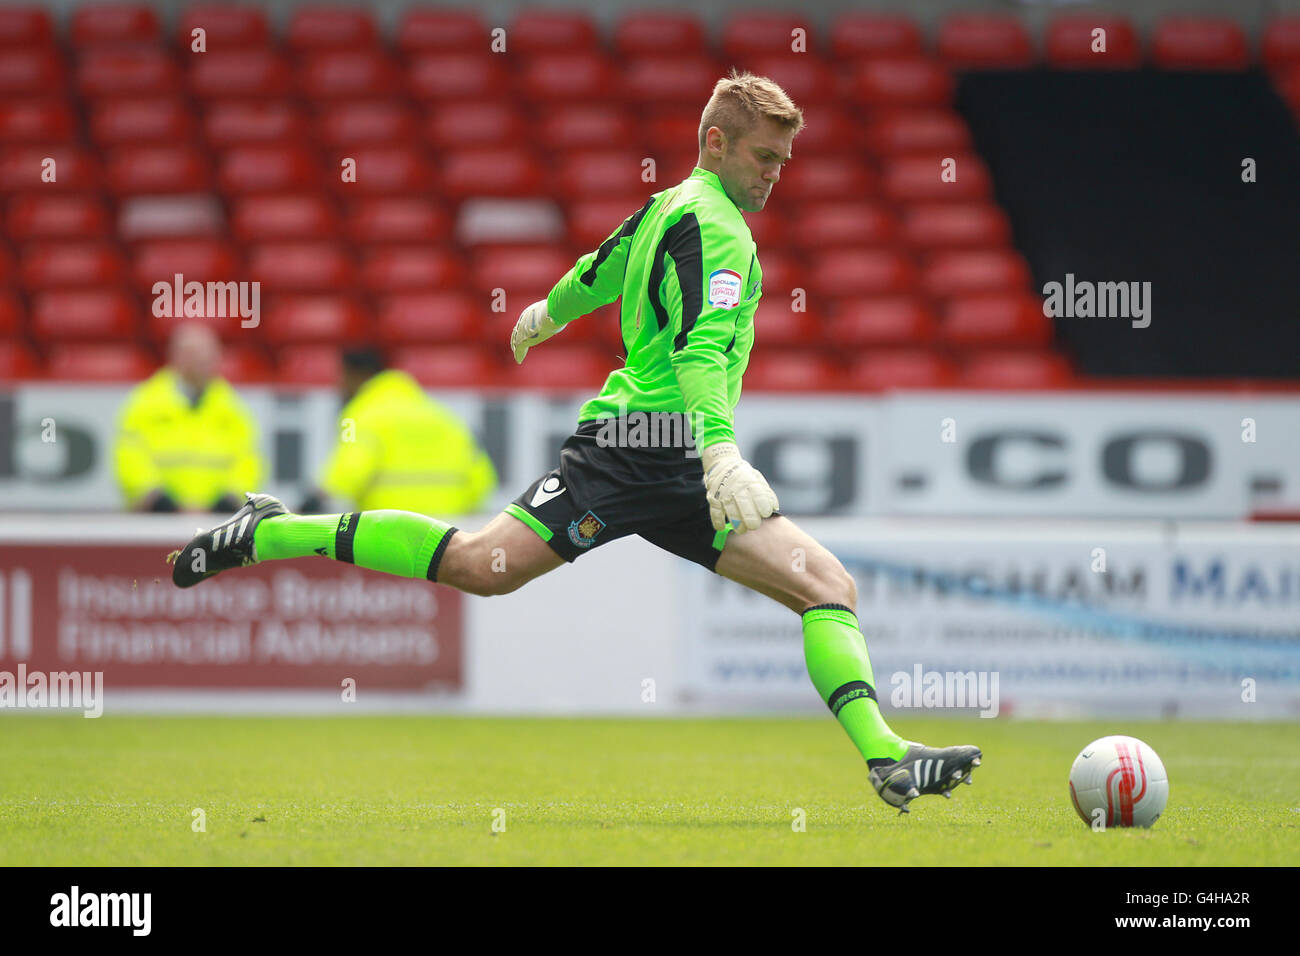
x=687 y=272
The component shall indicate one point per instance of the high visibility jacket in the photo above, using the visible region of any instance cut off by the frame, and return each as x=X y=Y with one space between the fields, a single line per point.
x=400 y=449
x=196 y=453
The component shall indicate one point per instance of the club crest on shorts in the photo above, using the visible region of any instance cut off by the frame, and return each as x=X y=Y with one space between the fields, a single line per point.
x=583 y=531
x=724 y=288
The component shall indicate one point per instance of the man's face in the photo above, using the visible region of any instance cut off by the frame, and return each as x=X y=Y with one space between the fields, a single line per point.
x=750 y=166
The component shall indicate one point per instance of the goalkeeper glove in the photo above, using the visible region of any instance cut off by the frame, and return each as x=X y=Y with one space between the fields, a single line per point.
x=735 y=489
x=534 y=327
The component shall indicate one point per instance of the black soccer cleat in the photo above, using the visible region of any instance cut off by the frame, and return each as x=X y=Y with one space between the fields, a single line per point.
x=228 y=545
x=921 y=771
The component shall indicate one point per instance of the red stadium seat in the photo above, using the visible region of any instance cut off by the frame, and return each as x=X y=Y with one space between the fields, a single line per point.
x=901 y=81
x=583 y=76
x=249 y=122
x=750 y=34
x=448 y=366
x=1015 y=370
x=426 y=30
x=769 y=227
x=56 y=217
x=548 y=31
x=30 y=72
x=22 y=169
x=83 y=315
x=837 y=272
x=197 y=260
x=139 y=120
x=918 y=177
x=669 y=82
x=36 y=121
x=157 y=168
x=422 y=318
x=452 y=76
x=782 y=274
x=891 y=132
x=807 y=81
x=266 y=168
x=827 y=177
x=365 y=123
x=334 y=74
x=383 y=170
x=490 y=171
x=777 y=324
x=592 y=173
x=830 y=127
x=100 y=363
x=965 y=271
x=1073 y=43
x=117 y=71
x=258 y=218
x=59 y=265
x=301 y=266
x=792 y=370
x=881 y=320
x=592 y=220
x=519 y=268
x=24 y=27
x=1199 y=43
x=930 y=226
x=400 y=268
x=872 y=35
x=308 y=365
x=11 y=316
x=325 y=28
x=583 y=125
x=113 y=23
x=826 y=225
x=1280 y=45
x=1004 y=318
x=562 y=366
x=236 y=73
x=886 y=369
x=242 y=364
x=664 y=133
x=647 y=33
x=313 y=319
x=224 y=27
x=396 y=219
x=476 y=123
x=984 y=41
x=17 y=361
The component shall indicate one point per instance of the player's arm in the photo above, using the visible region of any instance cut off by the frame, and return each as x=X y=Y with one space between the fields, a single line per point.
x=702 y=294
x=596 y=279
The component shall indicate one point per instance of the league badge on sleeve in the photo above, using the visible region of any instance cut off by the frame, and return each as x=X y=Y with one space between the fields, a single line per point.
x=724 y=289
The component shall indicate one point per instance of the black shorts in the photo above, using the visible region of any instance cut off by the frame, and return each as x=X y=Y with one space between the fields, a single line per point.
x=603 y=491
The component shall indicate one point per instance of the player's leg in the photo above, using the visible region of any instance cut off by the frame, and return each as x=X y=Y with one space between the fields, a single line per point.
x=785 y=563
x=501 y=557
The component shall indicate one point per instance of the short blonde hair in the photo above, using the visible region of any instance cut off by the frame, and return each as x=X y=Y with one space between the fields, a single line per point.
x=740 y=100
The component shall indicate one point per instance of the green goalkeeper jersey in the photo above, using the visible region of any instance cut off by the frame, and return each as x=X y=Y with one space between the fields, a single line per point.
x=687 y=271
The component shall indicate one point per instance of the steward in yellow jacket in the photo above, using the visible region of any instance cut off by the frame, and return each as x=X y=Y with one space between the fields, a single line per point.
x=185 y=439
x=399 y=449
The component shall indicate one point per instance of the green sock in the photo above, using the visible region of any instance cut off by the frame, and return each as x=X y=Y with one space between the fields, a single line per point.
x=836 y=654
x=395 y=542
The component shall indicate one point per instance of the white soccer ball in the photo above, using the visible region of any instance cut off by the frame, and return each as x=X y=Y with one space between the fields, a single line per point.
x=1118 y=782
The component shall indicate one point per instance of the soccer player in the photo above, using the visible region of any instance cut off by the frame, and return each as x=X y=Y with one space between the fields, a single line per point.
x=686 y=268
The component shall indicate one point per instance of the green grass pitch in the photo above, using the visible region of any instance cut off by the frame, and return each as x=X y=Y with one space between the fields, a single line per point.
x=427 y=790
